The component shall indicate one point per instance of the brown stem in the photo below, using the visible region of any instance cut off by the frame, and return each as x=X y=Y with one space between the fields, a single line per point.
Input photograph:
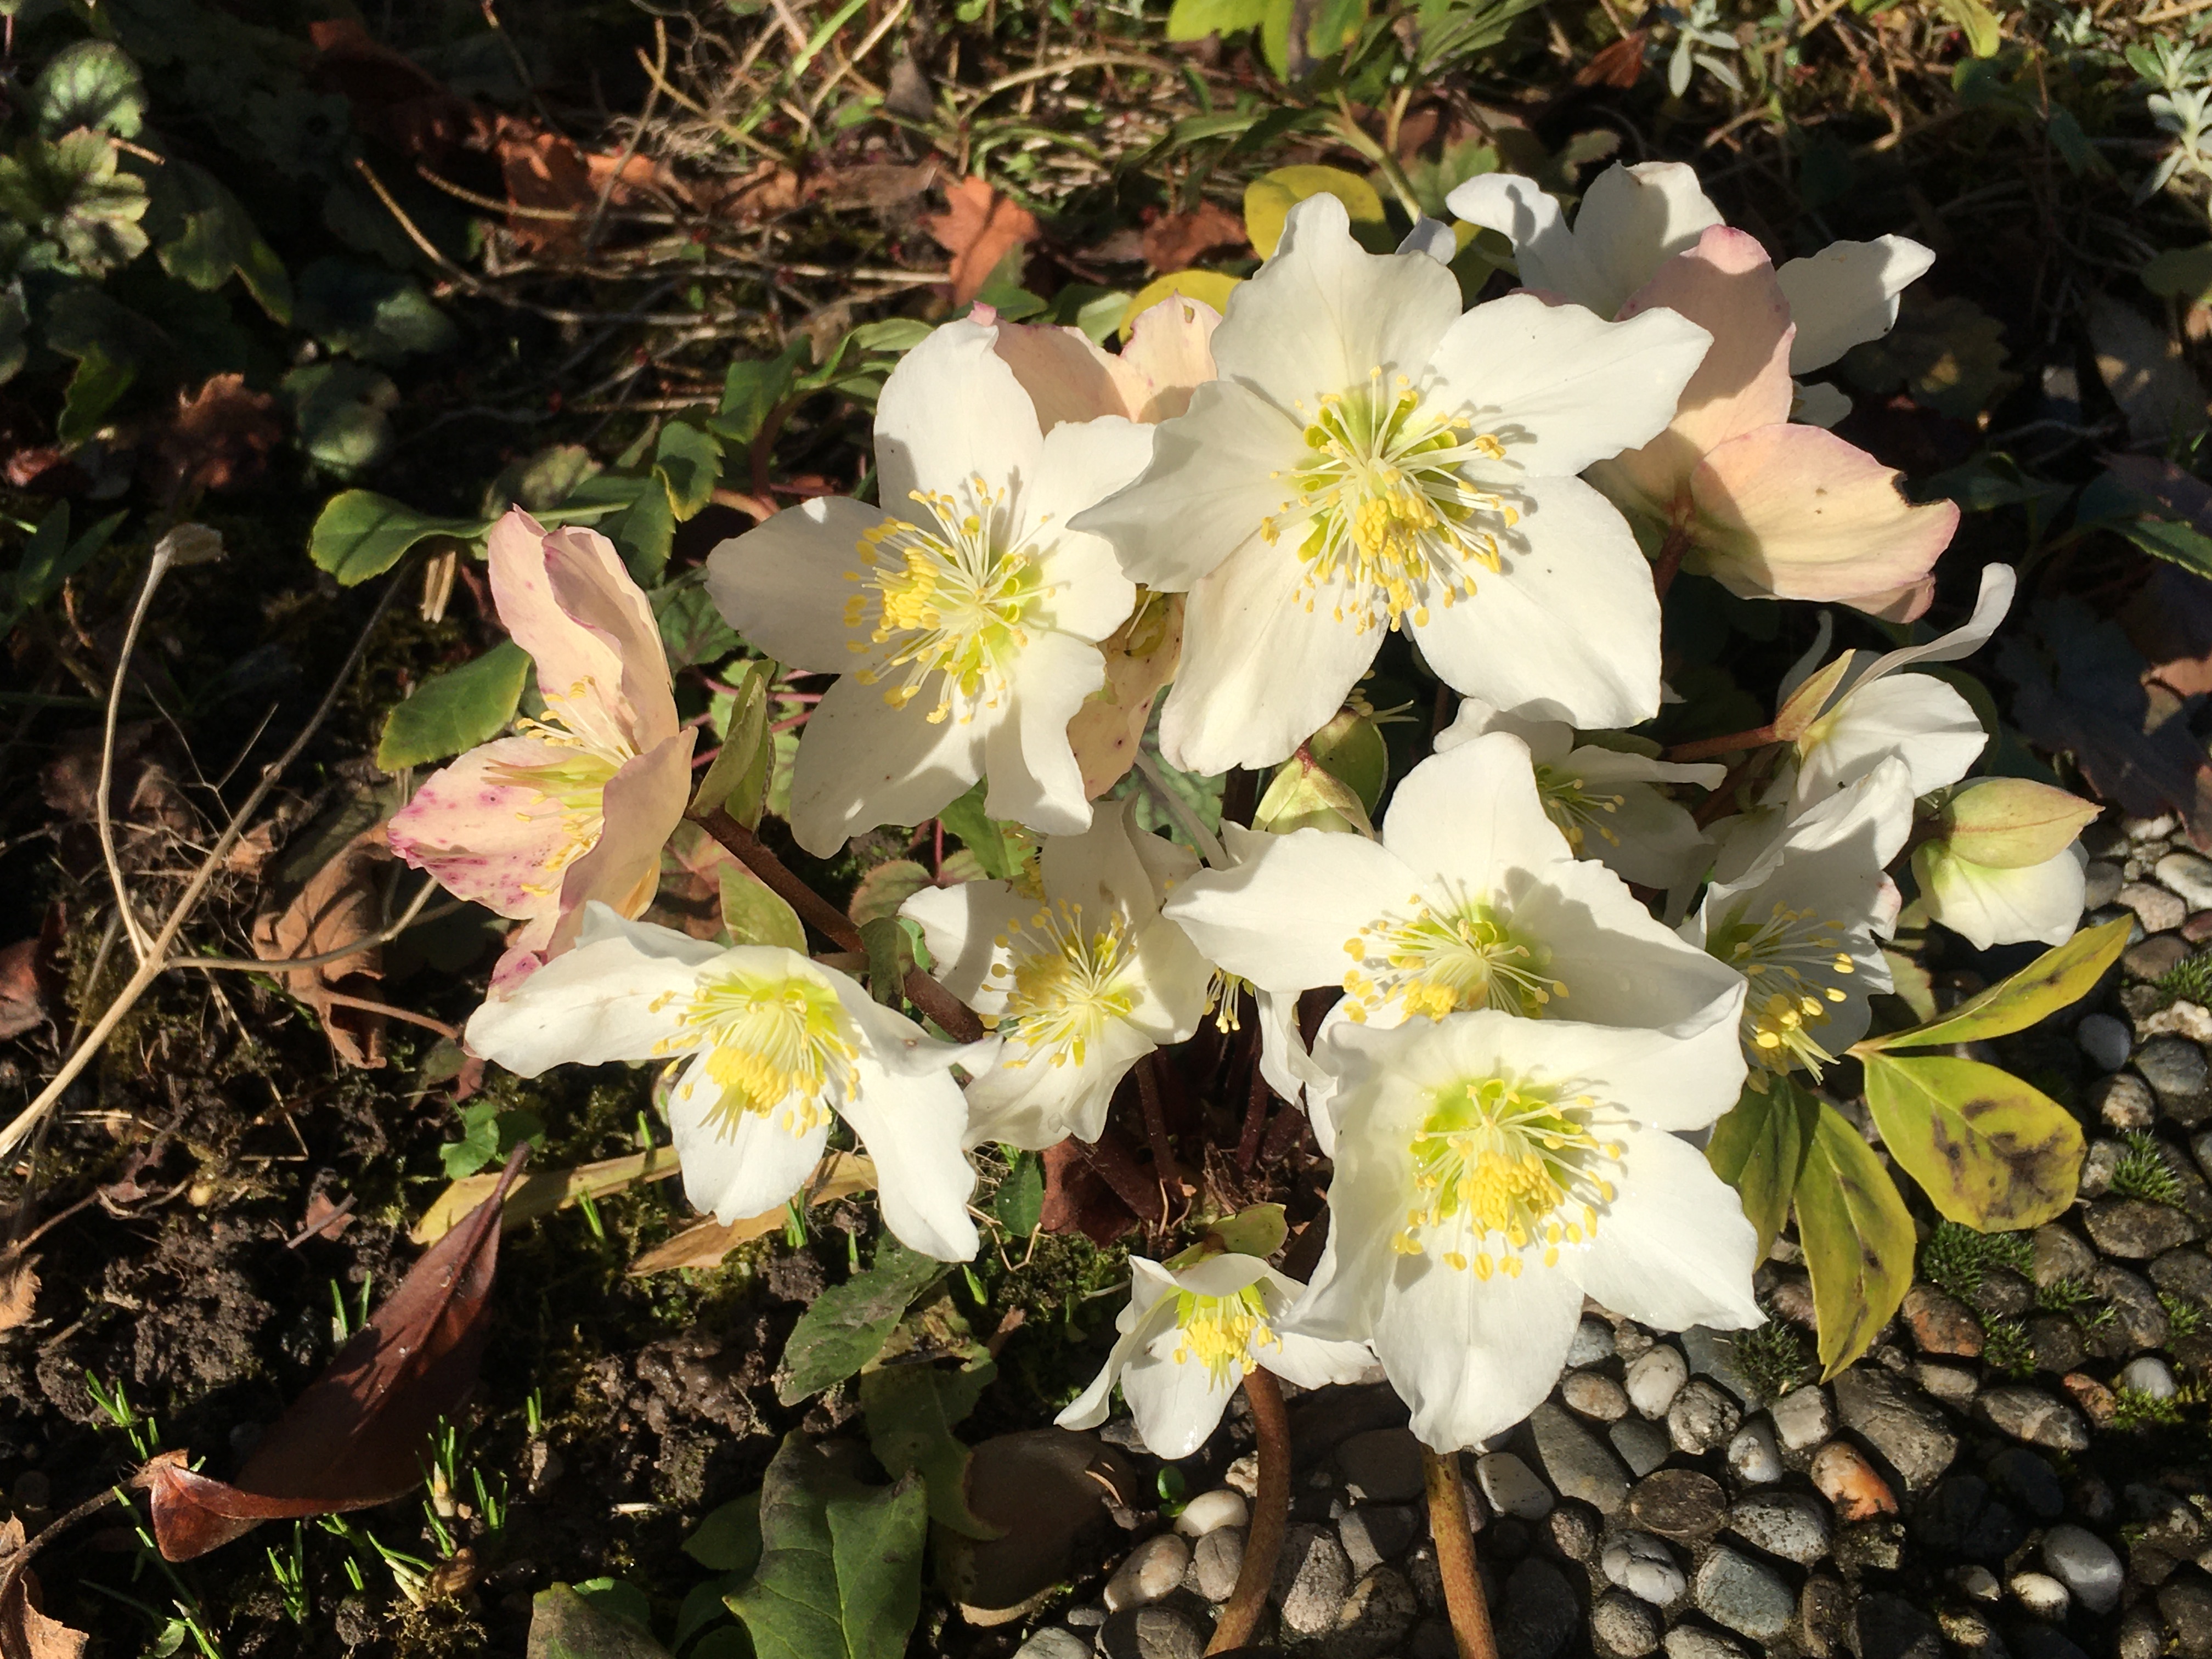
x=1454 y=1539
x=954 y=1017
x=1156 y=1132
x=1271 y=1512
x=816 y=911
x=1669 y=564
x=1109 y=1157
x=1255 y=1116
x=1757 y=737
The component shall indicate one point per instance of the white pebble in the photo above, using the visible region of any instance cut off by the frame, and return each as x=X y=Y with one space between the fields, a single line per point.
x=1644 y=1567
x=2149 y=1375
x=1210 y=1511
x=1655 y=1379
x=2086 y=1564
x=1753 y=1454
x=1154 y=1568
x=1801 y=1418
x=1510 y=1488
x=2041 y=1594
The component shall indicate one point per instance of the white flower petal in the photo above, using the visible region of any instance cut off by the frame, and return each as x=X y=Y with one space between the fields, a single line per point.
x=952 y=412
x=914 y=1128
x=783 y=584
x=1568 y=630
x=1473 y=1357
x=1620 y=966
x=1917 y=718
x=612 y=998
x=1089 y=1408
x=2039 y=902
x=1472 y=813
x=1633 y=220
x=1281 y=919
x=1026 y=1101
x=1177 y=1403
x=1544 y=249
x=1847 y=294
x=1673 y=1250
x=862 y=763
x=742 y=1165
x=961 y=925
x=1035 y=777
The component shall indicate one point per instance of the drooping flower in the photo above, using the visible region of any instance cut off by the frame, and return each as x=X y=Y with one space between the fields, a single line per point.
x=963 y=617
x=1492 y=1171
x=2005 y=867
x=1080 y=983
x=576 y=806
x=1804 y=924
x=1769 y=508
x=1188 y=1336
x=1369 y=458
x=1606 y=801
x=1472 y=898
x=772 y=1046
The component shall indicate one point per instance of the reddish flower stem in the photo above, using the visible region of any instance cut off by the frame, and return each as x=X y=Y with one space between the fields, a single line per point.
x=1668 y=565
x=1271 y=1513
x=1454 y=1539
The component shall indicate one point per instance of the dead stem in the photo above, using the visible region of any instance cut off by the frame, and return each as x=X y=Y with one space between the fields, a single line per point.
x=1454 y=1539
x=1271 y=1511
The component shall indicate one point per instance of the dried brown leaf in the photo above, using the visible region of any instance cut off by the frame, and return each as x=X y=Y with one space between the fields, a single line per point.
x=871 y=184
x=1620 y=65
x=356 y=1436
x=219 y=438
x=325 y=1220
x=1174 y=241
x=978 y=227
x=26 y=1633
x=392 y=97
x=19 y=1292
x=338 y=907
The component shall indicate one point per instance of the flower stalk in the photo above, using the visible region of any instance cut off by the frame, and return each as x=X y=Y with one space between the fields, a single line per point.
x=1271 y=1513
x=1454 y=1539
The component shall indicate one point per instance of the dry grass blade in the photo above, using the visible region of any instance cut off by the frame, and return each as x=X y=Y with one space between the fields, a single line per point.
x=705 y=1244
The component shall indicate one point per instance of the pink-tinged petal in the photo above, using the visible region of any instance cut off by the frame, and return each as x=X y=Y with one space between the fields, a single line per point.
x=1170 y=355
x=1726 y=286
x=567 y=653
x=1067 y=377
x=486 y=836
x=1901 y=605
x=1795 y=512
x=589 y=581
x=640 y=807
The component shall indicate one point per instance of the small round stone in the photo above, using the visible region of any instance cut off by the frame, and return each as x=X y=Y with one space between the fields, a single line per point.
x=1224 y=1506
x=1802 y=1418
x=1749 y=1599
x=1054 y=1642
x=1978 y=1582
x=2149 y=1375
x=1695 y=1641
x=1154 y=1568
x=2173 y=1066
x=1595 y=1395
x=2086 y=1564
x=1644 y=1567
x=1792 y=1525
x=1701 y=1417
x=1754 y=1456
x=2125 y=1102
x=2106 y=1041
x=1848 y=1481
x=2188 y=877
x=1593 y=1343
x=1312 y=1577
x=1656 y=1378
x=1511 y=1487
x=2041 y=1594
x=1624 y=1626
x=1217 y=1559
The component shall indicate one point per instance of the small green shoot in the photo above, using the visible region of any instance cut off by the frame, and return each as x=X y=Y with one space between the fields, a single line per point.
x=2134 y=1409
x=591 y=1209
x=115 y=1405
x=2189 y=980
x=2142 y=1171
x=490 y=1507
x=533 y=1412
x=1772 y=1358
x=289 y=1569
x=2183 y=1317
x=1957 y=1259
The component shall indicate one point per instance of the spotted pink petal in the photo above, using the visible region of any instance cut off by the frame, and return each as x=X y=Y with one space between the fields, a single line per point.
x=1066 y=376
x=641 y=806
x=1795 y=512
x=594 y=590
x=487 y=837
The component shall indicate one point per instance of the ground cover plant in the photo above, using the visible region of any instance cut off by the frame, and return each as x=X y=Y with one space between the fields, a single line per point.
x=1338 y=829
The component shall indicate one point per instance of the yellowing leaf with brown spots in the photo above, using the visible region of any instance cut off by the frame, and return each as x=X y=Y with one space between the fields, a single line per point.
x=1991 y=1152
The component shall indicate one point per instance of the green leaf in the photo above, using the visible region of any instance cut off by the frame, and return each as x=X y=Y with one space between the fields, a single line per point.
x=1352 y=747
x=849 y=1323
x=737 y=778
x=688 y=463
x=201 y=235
x=751 y=391
x=563 y=1625
x=1857 y=1239
x=359 y=534
x=1019 y=1202
x=1979 y=24
x=1303 y=794
x=456 y=710
x=14 y=331
x=51 y=558
x=2177 y=544
x=885 y=888
x=757 y=915
x=729 y=1539
x=343 y=411
x=910 y=1410
x=372 y=312
x=1760 y=1148
x=2058 y=978
x=2181 y=273
x=1000 y=848
x=691 y=629
x=890 y=956
x=488 y=1132
x=1990 y=1152
x=635 y=514
x=94 y=389
x=840 y=1577
x=1194 y=20
x=71 y=192
x=90 y=83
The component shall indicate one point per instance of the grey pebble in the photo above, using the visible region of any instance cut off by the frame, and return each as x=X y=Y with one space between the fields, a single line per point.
x=1578 y=1462
x=2040 y=1594
x=1593 y=1343
x=1955 y=1385
x=1176 y=1628
x=1753 y=1455
x=2151 y=1375
x=1312 y=1576
x=2024 y=1477
x=1054 y=1642
x=1897 y=1422
x=2059 y=1255
x=1622 y=1625
x=1217 y=1560
x=1154 y=1567
x=1656 y=1378
x=1734 y=1590
x=2086 y=1564
x=1383 y=1466
x=1644 y=1567
x=2158 y=911
x=1802 y=1418
x=1702 y=1417
x=2136 y=1230
x=2123 y=1101
x=1694 y=1642
x=2028 y=1414
x=2101 y=883
x=2188 y=876
x=2106 y=1041
x=1595 y=1395
x=1374 y=1533
x=1792 y=1525
x=1374 y=1619
x=1540 y=1612
x=1641 y=1446
x=2173 y=1066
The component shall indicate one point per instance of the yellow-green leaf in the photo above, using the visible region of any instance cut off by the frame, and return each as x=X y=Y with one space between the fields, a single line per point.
x=1979 y=23
x=1856 y=1237
x=1758 y=1148
x=1269 y=199
x=1208 y=288
x=756 y=915
x=1990 y=1152
x=1303 y=794
x=737 y=778
x=2060 y=977
x=541 y=1191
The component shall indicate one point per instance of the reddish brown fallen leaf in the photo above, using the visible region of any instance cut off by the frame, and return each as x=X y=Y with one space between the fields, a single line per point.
x=325 y=1220
x=338 y=907
x=19 y=1294
x=1620 y=65
x=219 y=438
x=355 y=1438
x=33 y=983
x=1174 y=241
x=25 y=1631
x=1076 y=1199
x=392 y=97
x=546 y=172
x=978 y=228
x=44 y=470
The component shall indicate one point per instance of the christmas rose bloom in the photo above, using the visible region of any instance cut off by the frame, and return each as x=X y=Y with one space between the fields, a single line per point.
x=772 y=1045
x=1188 y=1336
x=1081 y=983
x=1370 y=459
x=963 y=616
x=1606 y=801
x=1769 y=508
x=576 y=806
x=2006 y=868
x=1490 y=1172
x=1472 y=898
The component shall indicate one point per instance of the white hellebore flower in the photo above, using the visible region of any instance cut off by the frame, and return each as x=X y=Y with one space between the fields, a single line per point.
x=772 y=1045
x=1988 y=904
x=1188 y=1336
x=1471 y=899
x=1369 y=458
x=1490 y=1173
x=963 y=615
x=1605 y=802
x=1804 y=924
x=1081 y=983
x=1633 y=219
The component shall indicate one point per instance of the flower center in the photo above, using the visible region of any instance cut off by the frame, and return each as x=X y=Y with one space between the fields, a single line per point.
x=1788 y=958
x=1390 y=523
x=1575 y=808
x=1221 y=1331
x=575 y=781
x=952 y=601
x=1066 y=983
x=1498 y=1166
x=770 y=1041
x=1435 y=962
